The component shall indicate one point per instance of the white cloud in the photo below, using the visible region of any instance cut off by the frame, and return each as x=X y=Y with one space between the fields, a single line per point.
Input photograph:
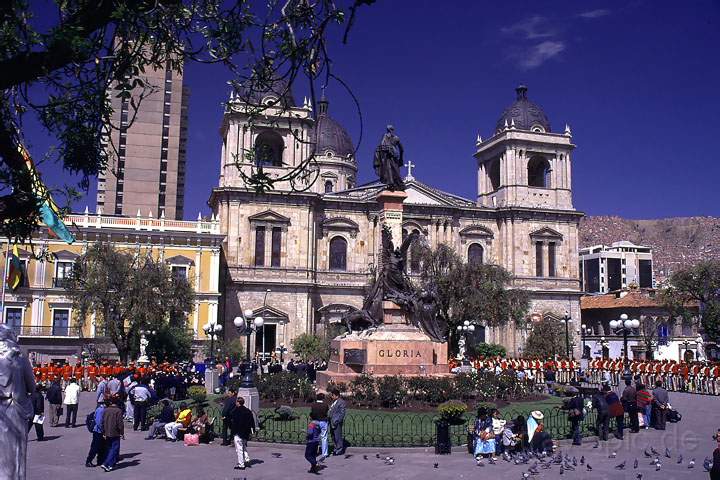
x=540 y=53
x=600 y=12
x=531 y=28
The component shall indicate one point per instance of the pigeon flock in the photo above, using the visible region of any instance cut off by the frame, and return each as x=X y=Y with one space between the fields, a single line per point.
x=534 y=464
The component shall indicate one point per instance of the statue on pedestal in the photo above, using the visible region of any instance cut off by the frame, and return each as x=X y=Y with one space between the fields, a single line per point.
x=17 y=382
x=394 y=285
x=388 y=160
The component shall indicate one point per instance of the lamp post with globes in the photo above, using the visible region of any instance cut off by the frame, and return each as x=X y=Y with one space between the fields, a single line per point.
x=246 y=325
x=463 y=330
x=624 y=326
x=212 y=331
x=567 y=321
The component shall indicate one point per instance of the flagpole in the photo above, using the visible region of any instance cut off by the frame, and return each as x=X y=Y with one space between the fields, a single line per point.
x=7 y=255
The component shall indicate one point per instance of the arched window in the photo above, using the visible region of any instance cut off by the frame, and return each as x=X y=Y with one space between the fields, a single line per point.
x=494 y=174
x=338 y=254
x=269 y=148
x=475 y=253
x=539 y=172
x=414 y=260
x=328 y=186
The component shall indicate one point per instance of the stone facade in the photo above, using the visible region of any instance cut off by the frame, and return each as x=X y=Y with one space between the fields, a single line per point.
x=290 y=242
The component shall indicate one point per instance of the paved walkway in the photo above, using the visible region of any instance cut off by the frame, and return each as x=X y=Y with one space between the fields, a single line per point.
x=62 y=457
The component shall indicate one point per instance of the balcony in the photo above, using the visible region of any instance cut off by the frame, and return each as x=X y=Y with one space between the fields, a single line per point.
x=60 y=282
x=54 y=331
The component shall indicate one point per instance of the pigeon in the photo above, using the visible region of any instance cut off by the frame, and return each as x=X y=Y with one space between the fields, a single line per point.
x=377 y=455
x=658 y=467
x=479 y=462
x=568 y=467
x=655 y=461
x=692 y=463
x=582 y=460
x=621 y=466
x=277 y=455
x=639 y=476
x=435 y=465
x=562 y=470
x=635 y=465
x=365 y=457
x=491 y=461
x=680 y=458
x=389 y=460
x=348 y=455
x=613 y=455
x=597 y=445
x=558 y=459
x=526 y=475
x=574 y=462
x=589 y=468
x=533 y=469
x=654 y=452
x=707 y=464
x=506 y=457
x=667 y=453
x=647 y=454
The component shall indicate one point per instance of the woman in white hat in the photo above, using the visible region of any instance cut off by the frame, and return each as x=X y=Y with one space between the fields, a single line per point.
x=540 y=440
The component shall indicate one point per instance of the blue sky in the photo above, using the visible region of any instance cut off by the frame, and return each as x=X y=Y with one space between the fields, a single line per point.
x=636 y=81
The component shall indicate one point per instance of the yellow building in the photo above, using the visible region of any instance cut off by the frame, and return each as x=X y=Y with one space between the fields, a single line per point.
x=40 y=310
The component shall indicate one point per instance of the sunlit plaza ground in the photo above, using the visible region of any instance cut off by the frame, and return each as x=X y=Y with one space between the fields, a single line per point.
x=62 y=456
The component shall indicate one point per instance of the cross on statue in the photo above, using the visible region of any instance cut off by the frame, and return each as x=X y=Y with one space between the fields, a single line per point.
x=409 y=166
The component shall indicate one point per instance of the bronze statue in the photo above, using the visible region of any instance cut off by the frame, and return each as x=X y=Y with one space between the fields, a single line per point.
x=394 y=285
x=389 y=159
x=17 y=382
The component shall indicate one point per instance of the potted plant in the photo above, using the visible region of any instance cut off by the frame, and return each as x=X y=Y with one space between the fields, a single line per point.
x=452 y=412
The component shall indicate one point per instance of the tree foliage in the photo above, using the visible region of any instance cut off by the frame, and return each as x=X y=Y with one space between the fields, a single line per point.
x=487 y=350
x=171 y=343
x=546 y=339
x=128 y=291
x=479 y=293
x=310 y=347
x=65 y=63
x=233 y=348
x=693 y=287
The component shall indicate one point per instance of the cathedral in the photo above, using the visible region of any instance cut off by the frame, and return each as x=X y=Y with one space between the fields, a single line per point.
x=301 y=255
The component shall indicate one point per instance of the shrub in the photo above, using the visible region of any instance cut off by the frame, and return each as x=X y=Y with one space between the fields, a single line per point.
x=391 y=390
x=452 y=410
x=283 y=386
x=488 y=350
x=197 y=394
x=363 y=390
x=489 y=406
x=341 y=386
x=311 y=347
x=285 y=413
x=465 y=385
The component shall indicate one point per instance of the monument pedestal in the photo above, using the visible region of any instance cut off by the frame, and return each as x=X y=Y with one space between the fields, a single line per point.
x=252 y=401
x=212 y=380
x=394 y=348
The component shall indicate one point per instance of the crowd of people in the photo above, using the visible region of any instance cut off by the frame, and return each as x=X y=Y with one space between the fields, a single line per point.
x=701 y=377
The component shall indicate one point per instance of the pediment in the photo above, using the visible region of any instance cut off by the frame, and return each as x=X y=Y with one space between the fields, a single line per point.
x=339 y=224
x=270 y=313
x=66 y=255
x=547 y=233
x=180 y=260
x=476 y=231
x=269 y=216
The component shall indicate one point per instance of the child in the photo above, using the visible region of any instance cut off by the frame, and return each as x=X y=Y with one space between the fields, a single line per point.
x=311 y=447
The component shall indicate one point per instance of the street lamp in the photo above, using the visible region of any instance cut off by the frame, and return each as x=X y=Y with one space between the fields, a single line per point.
x=463 y=330
x=567 y=321
x=281 y=350
x=246 y=326
x=624 y=327
x=212 y=330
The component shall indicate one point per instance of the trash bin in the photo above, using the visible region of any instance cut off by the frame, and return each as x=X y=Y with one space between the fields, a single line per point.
x=442 y=438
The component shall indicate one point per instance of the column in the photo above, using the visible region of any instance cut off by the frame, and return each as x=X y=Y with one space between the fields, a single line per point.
x=196 y=318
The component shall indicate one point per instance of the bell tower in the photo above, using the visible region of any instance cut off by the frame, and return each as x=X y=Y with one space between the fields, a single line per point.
x=525 y=164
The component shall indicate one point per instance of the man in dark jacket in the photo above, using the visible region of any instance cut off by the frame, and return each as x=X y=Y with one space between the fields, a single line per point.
x=54 y=398
x=337 y=418
x=38 y=403
x=167 y=415
x=242 y=426
x=114 y=430
x=602 y=422
x=575 y=414
x=319 y=413
x=629 y=401
x=661 y=399
x=228 y=407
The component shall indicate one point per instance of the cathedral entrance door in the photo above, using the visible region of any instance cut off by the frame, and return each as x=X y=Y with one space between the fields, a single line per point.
x=265 y=339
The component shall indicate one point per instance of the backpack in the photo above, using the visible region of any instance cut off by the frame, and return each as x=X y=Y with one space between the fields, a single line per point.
x=90 y=422
x=673 y=416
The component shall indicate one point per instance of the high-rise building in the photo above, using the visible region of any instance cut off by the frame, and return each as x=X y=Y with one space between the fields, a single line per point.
x=147 y=172
x=610 y=268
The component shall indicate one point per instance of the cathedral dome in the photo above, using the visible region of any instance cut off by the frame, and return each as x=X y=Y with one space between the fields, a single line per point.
x=524 y=114
x=330 y=136
x=269 y=94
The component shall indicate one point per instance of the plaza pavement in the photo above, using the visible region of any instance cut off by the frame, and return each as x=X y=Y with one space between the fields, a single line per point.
x=62 y=456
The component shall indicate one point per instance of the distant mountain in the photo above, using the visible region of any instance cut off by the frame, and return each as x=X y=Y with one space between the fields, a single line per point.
x=676 y=242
